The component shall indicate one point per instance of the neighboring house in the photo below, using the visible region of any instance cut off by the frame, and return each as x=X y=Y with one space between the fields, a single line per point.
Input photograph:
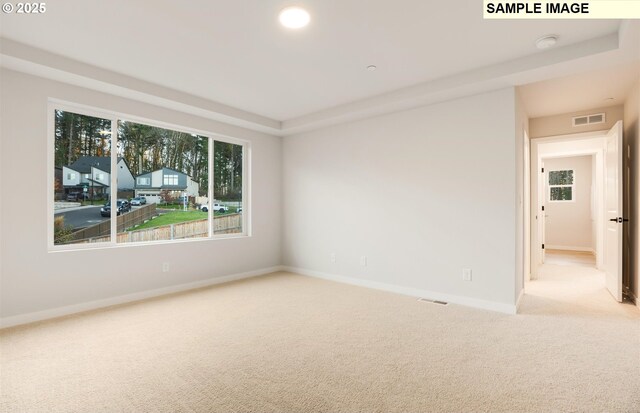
x=94 y=173
x=153 y=185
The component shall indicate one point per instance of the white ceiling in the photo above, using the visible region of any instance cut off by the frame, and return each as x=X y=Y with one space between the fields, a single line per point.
x=580 y=91
x=235 y=53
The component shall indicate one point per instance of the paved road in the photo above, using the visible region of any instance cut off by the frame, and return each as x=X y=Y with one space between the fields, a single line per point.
x=82 y=217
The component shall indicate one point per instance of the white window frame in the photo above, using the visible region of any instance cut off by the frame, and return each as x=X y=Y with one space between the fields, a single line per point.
x=170 y=177
x=143 y=180
x=572 y=186
x=575 y=118
x=54 y=104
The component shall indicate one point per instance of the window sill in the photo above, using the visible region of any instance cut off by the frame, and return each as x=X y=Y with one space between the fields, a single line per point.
x=111 y=245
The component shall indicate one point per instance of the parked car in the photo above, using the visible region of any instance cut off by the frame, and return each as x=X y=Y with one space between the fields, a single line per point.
x=75 y=196
x=122 y=204
x=139 y=200
x=239 y=210
x=216 y=207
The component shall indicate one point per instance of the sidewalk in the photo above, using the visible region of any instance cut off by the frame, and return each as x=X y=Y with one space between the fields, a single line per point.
x=60 y=210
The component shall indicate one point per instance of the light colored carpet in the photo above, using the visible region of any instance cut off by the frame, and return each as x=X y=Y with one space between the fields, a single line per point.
x=288 y=343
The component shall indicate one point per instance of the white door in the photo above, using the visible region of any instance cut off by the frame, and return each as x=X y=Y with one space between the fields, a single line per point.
x=613 y=211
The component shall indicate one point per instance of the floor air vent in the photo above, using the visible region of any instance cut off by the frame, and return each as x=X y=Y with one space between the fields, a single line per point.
x=426 y=300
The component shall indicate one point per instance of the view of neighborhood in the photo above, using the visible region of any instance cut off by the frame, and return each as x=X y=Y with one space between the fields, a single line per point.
x=162 y=183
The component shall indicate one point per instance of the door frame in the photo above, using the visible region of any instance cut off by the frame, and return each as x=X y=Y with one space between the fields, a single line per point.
x=526 y=259
x=587 y=143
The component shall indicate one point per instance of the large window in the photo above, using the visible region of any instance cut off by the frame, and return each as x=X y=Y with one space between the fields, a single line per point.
x=561 y=185
x=160 y=184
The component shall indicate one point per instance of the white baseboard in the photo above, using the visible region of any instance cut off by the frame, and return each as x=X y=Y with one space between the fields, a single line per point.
x=566 y=248
x=413 y=292
x=122 y=299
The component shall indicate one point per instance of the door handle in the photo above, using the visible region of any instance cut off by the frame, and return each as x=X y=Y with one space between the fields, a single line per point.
x=619 y=220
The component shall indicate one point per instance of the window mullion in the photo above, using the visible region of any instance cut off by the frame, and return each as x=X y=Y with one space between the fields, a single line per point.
x=114 y=181
x=246 y=197
x=210 y=188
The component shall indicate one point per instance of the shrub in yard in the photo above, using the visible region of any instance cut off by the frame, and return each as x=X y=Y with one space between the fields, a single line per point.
x=61 y=234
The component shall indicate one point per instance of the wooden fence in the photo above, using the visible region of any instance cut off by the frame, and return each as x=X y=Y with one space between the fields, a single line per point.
x=128 y=220
x=136 y=217
x=225 y=224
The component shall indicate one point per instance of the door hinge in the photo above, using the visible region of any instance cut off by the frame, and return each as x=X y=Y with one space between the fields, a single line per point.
x=542 y=170
x=543 y=207
x=542 y=246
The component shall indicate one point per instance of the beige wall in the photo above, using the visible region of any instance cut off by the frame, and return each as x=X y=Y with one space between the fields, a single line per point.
x=569 y=224
x=417 y=192
x=562 y=124
x=632 y=184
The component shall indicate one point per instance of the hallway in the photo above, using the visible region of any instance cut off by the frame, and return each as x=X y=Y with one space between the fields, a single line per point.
x=570 y=285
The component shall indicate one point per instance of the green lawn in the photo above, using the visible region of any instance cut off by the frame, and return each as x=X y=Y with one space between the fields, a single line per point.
x=171 y=218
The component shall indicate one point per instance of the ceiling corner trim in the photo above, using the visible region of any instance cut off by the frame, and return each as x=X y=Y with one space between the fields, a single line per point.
x=24 y=58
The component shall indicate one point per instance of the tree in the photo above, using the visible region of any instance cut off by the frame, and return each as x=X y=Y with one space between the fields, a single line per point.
x=148 y=148
x=227 y=171
x=79 y=135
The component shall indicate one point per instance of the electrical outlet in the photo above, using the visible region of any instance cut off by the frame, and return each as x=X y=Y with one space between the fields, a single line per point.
x=466 y=274
x=333 y=257
x=363 y=260
x=165 y=267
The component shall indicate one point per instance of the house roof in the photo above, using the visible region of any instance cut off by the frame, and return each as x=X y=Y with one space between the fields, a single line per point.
x=164 y=168
x=84 y=164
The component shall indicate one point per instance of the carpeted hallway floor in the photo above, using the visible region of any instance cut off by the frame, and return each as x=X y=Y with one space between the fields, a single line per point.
x=288 y=343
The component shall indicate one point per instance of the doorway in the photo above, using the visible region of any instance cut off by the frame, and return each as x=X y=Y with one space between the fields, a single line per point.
x=571 y=249
x=570 y=233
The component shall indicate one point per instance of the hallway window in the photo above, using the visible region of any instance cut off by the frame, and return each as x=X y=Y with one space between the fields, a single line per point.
x=561 y=185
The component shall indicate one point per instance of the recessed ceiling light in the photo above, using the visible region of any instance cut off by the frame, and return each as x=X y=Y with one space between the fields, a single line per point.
x=546 y=42
x=372 y=68
x=294 y=17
